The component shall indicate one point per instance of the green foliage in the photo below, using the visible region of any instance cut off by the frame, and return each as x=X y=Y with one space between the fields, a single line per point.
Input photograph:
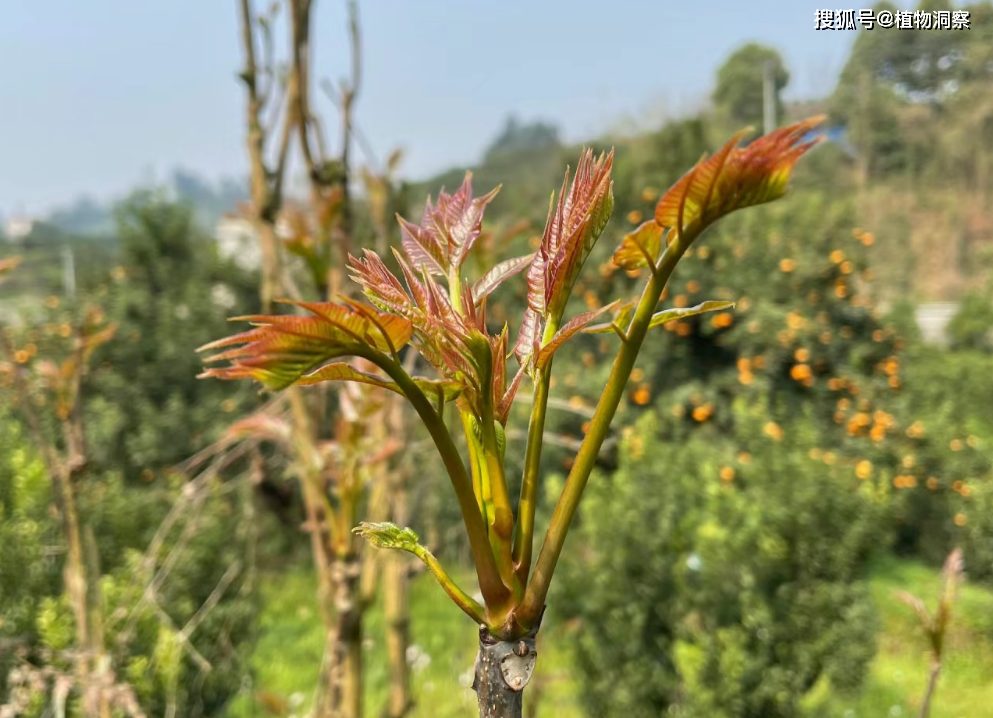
x=948 y=457
x=972 y=325
x=169 y=295
x=740 y=80
x=721 y=574
x=917 y=102
x=517 y=138
x=144 y=412
x=28 y=572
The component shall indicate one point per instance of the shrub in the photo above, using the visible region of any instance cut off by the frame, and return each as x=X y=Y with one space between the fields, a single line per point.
x=723 y=574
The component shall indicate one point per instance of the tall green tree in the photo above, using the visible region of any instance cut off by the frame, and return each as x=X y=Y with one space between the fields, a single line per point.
x=168 y=295
x=740 y=83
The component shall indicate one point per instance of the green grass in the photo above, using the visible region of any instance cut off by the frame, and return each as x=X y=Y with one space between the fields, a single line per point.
x=288 y=654
x=898 y=675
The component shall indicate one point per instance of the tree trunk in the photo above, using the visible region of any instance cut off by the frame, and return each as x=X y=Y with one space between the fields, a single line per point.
x=83 y=590
x=346 y=668
x=77 y=590
x=503 y=670
x=396 y=570
x=932 y=683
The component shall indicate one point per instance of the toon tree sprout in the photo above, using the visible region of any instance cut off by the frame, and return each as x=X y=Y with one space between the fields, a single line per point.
x=435 y=309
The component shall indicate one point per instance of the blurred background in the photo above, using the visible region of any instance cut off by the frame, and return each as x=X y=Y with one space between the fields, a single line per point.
x=779 y=478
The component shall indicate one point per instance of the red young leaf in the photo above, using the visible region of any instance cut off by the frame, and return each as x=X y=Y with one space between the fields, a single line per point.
x=734 y=178
x=507 y=400
x=528 y=336
x=447 y=231
x=282 y=348
x=422 y=247
x=568 y=330
x=574 y=224
x=498 y=274
x=444 y=336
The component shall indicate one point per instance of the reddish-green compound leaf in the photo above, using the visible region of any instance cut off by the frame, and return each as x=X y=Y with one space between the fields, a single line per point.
x=568 y=330
x=527 y=338
x=507 y=400
x=422 y=247
x=448 y=230
x=379 y=284
x=498 y=274
x=668 y=315
x=574 y=224
x=440 y=333
x=734 y=178
x=640 y=247
x=385 y=332
x=282 y=348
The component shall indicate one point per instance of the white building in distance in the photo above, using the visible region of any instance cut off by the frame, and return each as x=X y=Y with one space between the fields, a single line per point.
x=17 y=228
x=238 y=241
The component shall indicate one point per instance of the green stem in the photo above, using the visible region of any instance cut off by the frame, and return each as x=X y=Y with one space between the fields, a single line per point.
x=483 y=444
x=524 y=536
x=495 y=593
x=501 y=518
x=499 y=514
x=477 y=471
x=534 y=599
x=463 y=600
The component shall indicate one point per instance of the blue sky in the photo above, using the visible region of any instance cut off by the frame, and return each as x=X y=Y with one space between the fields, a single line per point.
x=99 y=95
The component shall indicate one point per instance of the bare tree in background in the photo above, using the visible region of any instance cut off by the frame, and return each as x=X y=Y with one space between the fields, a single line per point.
x=326 y=436
x=63 y=451
x=935 y=625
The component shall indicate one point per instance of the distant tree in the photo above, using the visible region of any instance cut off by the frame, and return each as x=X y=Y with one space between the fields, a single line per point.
x=920 y=66
x=209 y=200
x=972 y=325
x=711 y=586
x=168 y=295
x=918 y=102
x=740 y=83
x=521 y=137
x=87 y=413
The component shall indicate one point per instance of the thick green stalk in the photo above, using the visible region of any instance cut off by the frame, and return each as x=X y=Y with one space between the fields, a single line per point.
x=482 y=482
x=496 y=498
x=502 y=518
x=565 y=509
x=494 y=591
x=478 y=488
x=524 y=536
